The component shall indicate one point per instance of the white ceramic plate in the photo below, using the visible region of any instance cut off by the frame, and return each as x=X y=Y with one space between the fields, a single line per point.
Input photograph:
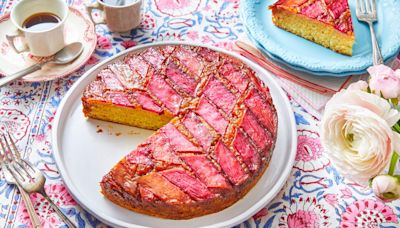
x=83 y=156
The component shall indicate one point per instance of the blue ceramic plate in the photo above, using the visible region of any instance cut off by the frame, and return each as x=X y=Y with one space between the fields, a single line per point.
x=300 y=53
x=315 y=73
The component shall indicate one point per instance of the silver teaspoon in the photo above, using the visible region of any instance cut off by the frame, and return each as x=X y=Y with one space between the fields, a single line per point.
x=65 y=55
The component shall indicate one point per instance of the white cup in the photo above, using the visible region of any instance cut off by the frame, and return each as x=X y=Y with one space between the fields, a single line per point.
x=38 y=43
x=118 y=18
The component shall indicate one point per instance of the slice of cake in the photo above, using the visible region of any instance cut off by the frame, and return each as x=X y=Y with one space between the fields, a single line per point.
x=216 y=122
x=325 y=22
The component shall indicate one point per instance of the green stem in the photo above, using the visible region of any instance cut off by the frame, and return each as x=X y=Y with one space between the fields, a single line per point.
x=393 y=163
x=397 y=127
x=394 y=101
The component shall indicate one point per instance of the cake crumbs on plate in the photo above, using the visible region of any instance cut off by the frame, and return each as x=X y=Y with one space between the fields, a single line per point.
x=109 y=129
x=99 y=130
x=133 y=132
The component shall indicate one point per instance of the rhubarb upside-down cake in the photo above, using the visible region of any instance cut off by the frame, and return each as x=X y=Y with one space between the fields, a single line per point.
x=325 y=22
x=215 y=123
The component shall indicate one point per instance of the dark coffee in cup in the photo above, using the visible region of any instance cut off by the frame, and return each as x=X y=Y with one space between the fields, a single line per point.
x=40 y=25
x=41 y=22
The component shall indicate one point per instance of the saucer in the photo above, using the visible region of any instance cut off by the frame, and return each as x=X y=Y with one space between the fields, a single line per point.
x=78 y=28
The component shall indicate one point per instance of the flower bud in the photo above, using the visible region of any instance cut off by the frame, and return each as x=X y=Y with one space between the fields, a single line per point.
x=384 y=81
x=386 y=187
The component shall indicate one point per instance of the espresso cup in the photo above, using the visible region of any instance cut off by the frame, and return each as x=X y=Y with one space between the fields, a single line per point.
x=118 y=15
x=29 y=18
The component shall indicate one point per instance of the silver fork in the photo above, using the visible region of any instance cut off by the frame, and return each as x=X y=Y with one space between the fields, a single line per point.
x=366 y=12
x=5 y=160
x=29 y=177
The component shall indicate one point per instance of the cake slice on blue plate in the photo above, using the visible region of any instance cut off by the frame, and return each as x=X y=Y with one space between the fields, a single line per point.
x=325 y=22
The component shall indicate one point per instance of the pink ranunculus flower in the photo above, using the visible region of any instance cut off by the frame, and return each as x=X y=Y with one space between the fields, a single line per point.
x=357 y=136
x=386 y=188
x=359 y=85
x=384 y=81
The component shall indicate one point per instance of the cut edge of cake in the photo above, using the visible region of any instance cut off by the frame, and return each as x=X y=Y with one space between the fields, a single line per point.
x=312 y=29
x=136 y=117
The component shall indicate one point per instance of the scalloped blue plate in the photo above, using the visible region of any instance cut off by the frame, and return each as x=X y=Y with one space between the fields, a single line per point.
x=315 y=73
x=300 y=53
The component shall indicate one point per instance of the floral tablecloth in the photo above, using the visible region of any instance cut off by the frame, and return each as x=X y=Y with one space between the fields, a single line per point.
x=315 y=195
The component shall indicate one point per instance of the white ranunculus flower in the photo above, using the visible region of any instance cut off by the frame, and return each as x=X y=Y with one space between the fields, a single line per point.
x=365 y=100
x=356 y=134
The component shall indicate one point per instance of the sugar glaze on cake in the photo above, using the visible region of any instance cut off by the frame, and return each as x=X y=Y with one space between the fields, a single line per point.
x=216 y=129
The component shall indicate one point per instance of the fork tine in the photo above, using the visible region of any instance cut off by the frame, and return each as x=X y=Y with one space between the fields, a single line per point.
x=4 y=151
x=16 y=171
x=358 y=7
x=7 y=149
x=17 y=159
x=16 y=152
x=23 y=168
x=362 y=6
x=368 y=6
x=373 y=6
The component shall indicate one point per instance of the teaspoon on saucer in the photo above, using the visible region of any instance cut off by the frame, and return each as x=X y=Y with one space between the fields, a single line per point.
x=65 y=55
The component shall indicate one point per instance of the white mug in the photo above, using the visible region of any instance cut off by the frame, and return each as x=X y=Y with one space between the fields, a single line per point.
x=119 y=18
x=44 y=42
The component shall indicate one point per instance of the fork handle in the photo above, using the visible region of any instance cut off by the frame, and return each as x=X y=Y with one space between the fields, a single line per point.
x=29 y=206
x=57 y=210
x=376 y=53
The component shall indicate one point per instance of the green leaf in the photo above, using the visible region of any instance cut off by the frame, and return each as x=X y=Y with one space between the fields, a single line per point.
x=393 y=163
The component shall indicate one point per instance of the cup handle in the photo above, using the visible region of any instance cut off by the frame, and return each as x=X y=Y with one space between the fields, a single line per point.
x=11 y=41
x=90 y=8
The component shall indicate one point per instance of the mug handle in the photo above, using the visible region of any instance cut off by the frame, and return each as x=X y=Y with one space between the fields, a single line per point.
x=90 y=8
x=11 y=41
